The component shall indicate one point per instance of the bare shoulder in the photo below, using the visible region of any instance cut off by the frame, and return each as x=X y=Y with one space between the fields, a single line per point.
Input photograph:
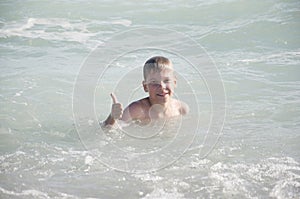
x=183 y=107
x=136 y=110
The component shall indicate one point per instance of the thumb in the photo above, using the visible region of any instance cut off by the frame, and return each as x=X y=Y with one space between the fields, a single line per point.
x=114 y=98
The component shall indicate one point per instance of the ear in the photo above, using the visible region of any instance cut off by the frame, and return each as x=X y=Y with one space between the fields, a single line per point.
x=145 y=86
x=175 y=80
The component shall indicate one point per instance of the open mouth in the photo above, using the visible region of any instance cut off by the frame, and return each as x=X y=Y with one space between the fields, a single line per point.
x=162 y=94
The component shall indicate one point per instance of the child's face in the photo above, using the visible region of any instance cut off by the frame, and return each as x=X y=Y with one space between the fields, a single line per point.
x=160 y=85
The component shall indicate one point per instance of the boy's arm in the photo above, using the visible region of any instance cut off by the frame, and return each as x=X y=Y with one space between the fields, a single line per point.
x=109 y=121
x=116 y=112
x=134 y=111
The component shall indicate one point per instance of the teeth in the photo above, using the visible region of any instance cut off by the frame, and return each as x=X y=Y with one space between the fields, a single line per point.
x=162 y=94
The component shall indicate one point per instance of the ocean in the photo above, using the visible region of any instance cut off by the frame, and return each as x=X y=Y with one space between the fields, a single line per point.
x=237 y=64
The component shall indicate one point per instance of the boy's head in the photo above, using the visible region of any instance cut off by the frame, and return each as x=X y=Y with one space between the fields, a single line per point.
x=156 y=64
x=159 y=79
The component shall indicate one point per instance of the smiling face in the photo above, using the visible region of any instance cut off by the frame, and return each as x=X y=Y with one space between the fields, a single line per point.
x=160 y=85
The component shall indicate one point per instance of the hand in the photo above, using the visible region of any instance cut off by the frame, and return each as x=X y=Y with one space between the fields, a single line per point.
x=117 y=108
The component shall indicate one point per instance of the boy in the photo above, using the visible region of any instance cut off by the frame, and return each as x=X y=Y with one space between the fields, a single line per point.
x=159 y=82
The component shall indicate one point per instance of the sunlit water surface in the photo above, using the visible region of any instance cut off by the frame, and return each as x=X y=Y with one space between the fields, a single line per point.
x=254 y=45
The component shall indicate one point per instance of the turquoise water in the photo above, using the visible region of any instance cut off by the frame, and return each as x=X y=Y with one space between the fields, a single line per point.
x=253 y=44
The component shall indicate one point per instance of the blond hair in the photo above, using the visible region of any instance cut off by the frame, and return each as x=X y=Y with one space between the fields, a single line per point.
x=156 y=64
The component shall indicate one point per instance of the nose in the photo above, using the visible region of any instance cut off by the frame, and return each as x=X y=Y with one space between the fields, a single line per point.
x=162 y=84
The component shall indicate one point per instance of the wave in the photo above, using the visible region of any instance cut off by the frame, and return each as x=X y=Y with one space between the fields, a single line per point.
x=60 y=29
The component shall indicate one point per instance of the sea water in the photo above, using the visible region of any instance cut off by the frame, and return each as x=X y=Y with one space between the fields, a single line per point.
x=51 y=149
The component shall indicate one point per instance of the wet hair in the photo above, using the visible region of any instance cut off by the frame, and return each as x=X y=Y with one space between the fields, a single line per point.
x=156 y=64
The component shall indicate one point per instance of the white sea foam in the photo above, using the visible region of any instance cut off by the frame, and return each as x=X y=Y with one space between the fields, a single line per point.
x=239 y=178
x=57 y=29
x=28 y=192
x=289 y=57
x=286 y=189
x=161 y=193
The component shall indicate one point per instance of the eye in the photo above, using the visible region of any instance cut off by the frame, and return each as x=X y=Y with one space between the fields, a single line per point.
x=167 y=81
x=153 y=82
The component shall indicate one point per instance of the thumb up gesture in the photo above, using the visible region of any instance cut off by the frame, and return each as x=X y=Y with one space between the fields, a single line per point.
x=116 y=108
